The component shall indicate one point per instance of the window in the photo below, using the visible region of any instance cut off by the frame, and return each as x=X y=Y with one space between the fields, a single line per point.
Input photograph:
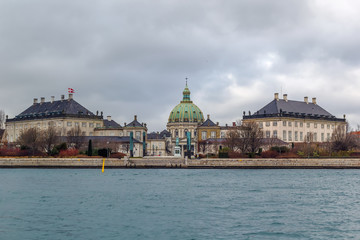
x=296 y=124
x=138 y=135
x=301 y=136
x=301 y=124
x=290 y=136
x=328 y=136
x=322 y=137
x=332 y=126
x=222 y=135
x=315 y=137
x=275 y=123
x=83 y=124
x=284 y=123
x=308 y=125
x=296 y=136
x=76 y=124
x=274 y=134
x=98 y=125
x=315 y=125
x=69 y=124
x=267 y=134
x=289 y=124
x=203 y=135
x=261 y=125
x=91 y=134
x=91 y=125
x=267 y=124
x=213 y=134
x=328 y=126
x=284 y=135
x=176 y=133
x=322 y=126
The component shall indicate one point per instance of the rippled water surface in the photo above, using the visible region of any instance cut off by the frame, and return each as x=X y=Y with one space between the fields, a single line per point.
x=179 y=204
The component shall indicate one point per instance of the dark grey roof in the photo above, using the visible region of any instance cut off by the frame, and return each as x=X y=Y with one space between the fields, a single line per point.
x=208 y=123
x=165 y=133
x=60 y=108
x=104 y=139
x=273 y=141
x=111 y=124
x=134 y=123
x=282 y=106
x=295 y=109
x=155 y=135
x=68 y=106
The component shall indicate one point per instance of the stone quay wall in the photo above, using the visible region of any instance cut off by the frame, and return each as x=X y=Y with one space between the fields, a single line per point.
x=171 y=162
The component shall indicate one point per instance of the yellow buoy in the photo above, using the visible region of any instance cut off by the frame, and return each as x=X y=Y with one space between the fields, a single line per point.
x=103 y=165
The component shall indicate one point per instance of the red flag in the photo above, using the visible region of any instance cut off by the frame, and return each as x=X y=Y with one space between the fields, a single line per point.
x=70 y=90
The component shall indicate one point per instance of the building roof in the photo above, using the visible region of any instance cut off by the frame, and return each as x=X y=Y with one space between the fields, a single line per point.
x=208 y=123
x=134 y=123
x=291 y=108
x=156 y=135
x=111 y=124
x=105 y=139
x=57 y=108
x=186 y=110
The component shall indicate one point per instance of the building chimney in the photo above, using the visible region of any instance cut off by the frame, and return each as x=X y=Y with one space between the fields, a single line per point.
x=234 y=124
x=217 y=123
x=226 y=125
x=52 y=99
x=285 y=97
x=109 y=118
x=276 y=96
x=71 y=96
x=42 y=100
x=135 y=117
x=306 y=99
x=208 y=116
x=144 y=124
x=35 y=101
x=62 y=97
x=314 y=100
x=124 y=124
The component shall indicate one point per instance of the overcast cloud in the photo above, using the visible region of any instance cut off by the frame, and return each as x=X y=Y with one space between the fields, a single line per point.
x=132 y=57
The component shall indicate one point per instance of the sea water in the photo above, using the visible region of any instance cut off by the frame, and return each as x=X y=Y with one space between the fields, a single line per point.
x=179 y=204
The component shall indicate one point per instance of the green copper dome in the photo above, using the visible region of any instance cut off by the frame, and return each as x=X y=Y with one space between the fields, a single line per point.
x=186 y=110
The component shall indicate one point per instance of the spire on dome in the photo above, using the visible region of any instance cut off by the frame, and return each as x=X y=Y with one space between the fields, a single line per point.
x=186 y=93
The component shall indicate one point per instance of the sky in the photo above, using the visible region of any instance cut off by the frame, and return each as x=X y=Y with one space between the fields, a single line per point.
x=130 y=57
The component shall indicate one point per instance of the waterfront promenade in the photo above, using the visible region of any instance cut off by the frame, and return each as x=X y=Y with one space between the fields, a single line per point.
x=170 y=162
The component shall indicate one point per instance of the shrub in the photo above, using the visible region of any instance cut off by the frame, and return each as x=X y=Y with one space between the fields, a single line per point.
x=278 y=149
x=117 y=155
x=13 y=152
x=269 y=154
x=104 y=152
x=235 y=155
x=69 y=152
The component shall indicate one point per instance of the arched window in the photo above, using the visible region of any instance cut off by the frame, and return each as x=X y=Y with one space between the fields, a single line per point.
x=176 y=133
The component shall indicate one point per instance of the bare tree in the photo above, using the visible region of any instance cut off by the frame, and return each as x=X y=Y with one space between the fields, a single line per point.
x=75 y=137
x=31 y=138
x=250 y=137
x=232 y=139
x=342 y=140
x=2 y=119
x=50 y=138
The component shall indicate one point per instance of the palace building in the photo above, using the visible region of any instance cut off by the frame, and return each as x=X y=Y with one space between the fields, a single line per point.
x=295 y=121
x=63 y=114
